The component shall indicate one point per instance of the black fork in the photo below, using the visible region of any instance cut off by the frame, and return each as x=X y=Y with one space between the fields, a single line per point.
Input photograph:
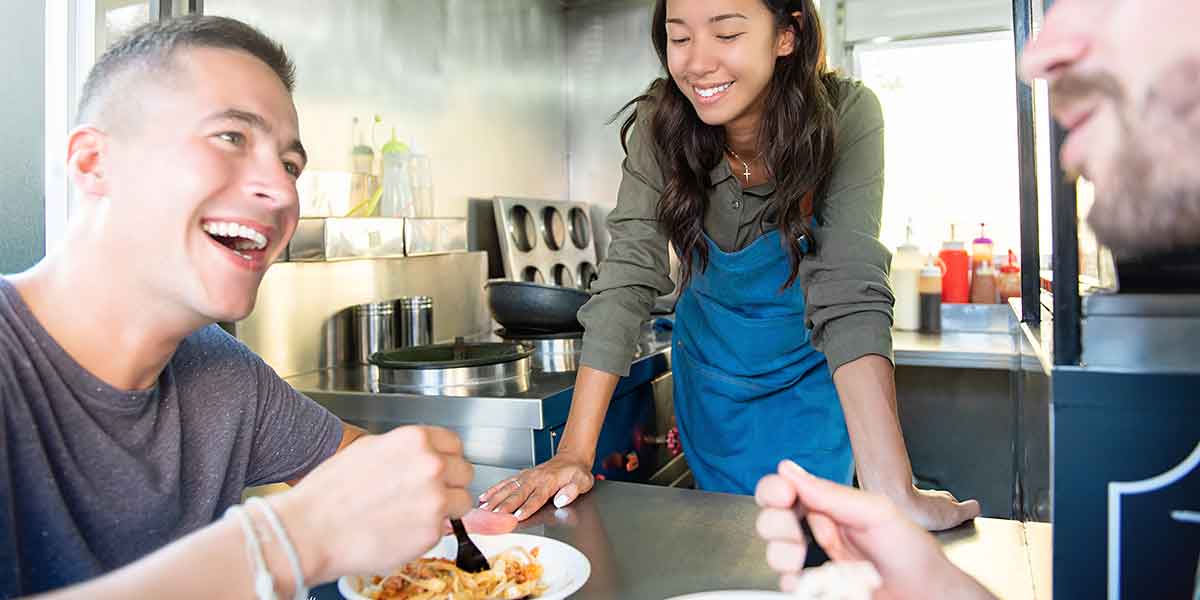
x=469 y=558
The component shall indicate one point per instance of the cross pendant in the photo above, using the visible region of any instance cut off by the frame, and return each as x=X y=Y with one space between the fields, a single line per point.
x=746 y=173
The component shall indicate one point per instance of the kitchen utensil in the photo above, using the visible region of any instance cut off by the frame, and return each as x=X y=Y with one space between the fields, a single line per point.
x=544 y=241
x=338 y=347
x=374 y=329
x=450 y=356
x=468 y=558
x=414 y=320
x=565 y=569
x=535 y=308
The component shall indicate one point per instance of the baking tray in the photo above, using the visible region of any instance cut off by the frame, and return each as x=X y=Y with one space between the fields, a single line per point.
x=546 y=241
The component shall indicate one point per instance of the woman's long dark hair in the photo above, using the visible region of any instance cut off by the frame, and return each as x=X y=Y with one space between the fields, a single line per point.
x=797 y=137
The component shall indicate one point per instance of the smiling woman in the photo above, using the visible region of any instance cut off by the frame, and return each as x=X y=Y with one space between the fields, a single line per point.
x=725 y=67
x=764 y=170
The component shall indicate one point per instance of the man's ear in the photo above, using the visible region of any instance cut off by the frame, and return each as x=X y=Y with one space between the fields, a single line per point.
x=787 y=37
x=87 y=151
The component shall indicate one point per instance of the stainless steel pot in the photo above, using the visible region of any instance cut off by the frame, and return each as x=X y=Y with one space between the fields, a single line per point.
x=414 y=317
x=374 y=329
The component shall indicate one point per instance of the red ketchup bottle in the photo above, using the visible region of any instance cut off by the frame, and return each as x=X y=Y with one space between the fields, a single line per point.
x=956 y=284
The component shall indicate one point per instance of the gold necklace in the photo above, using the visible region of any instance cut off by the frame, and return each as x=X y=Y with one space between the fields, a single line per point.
x=745 y=165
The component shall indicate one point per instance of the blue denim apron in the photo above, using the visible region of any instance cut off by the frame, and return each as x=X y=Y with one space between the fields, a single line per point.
x=750 y=390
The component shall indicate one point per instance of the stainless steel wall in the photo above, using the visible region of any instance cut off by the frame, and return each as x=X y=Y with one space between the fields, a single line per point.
x=609 y=61
x=478 y=84
x=291 y=327
x=22 y=119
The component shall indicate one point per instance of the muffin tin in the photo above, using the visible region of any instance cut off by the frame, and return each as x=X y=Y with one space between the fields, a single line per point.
x=545 y=241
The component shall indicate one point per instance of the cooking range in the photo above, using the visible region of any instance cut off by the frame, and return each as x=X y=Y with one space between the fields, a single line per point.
x=506 y=393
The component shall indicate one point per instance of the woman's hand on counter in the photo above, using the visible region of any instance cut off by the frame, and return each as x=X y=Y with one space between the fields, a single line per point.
x=867 y=390
x=854 y=525
x=936 y=510
x=562 y=478
x=569 y=473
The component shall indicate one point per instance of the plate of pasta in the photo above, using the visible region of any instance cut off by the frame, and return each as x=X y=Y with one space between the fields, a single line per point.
x=523 y=566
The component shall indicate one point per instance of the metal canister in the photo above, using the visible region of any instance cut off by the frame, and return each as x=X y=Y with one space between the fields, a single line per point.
x=414 y=316
x=374 y=328
x=337 y=340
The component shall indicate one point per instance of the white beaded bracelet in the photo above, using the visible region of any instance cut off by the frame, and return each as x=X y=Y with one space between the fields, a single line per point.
x=301 y=592
x=264 y=584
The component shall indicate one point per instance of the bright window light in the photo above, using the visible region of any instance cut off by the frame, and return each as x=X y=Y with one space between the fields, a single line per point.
x=950 y=120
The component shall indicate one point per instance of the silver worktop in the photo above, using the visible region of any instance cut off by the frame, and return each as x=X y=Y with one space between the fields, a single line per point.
x=355 y=393
x=973 y=336
x=655 y=542
x=962 y=350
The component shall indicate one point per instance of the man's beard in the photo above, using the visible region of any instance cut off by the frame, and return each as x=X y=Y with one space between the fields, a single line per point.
x=1150 y=201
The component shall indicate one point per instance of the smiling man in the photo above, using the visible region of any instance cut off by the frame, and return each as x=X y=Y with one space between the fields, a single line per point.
x=1124 y=78
x=130 y=422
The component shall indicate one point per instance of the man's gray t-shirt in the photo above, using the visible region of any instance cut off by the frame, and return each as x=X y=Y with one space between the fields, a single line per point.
x=93 y=478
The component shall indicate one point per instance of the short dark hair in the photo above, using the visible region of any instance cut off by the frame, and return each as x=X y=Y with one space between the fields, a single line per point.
x=151 y=47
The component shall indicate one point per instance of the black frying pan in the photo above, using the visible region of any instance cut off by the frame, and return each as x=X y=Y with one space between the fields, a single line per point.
x=534 y=307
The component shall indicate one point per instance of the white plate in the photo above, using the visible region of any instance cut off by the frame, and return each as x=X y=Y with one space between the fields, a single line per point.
x=735 y=595
x=565 y=569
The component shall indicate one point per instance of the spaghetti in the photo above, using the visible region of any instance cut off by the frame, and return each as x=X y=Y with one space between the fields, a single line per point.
x=515 y=574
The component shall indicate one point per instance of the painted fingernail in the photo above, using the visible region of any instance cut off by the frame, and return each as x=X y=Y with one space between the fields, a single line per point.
x=518 y=513
x=561 y=500
x=483 y=506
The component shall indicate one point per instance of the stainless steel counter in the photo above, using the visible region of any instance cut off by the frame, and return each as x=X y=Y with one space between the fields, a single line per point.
x=357 y=394
x=959 y=349
x=654 y=542
x=974 y=336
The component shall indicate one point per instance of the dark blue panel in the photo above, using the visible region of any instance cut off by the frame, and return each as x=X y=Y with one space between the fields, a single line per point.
x=1123 y=427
